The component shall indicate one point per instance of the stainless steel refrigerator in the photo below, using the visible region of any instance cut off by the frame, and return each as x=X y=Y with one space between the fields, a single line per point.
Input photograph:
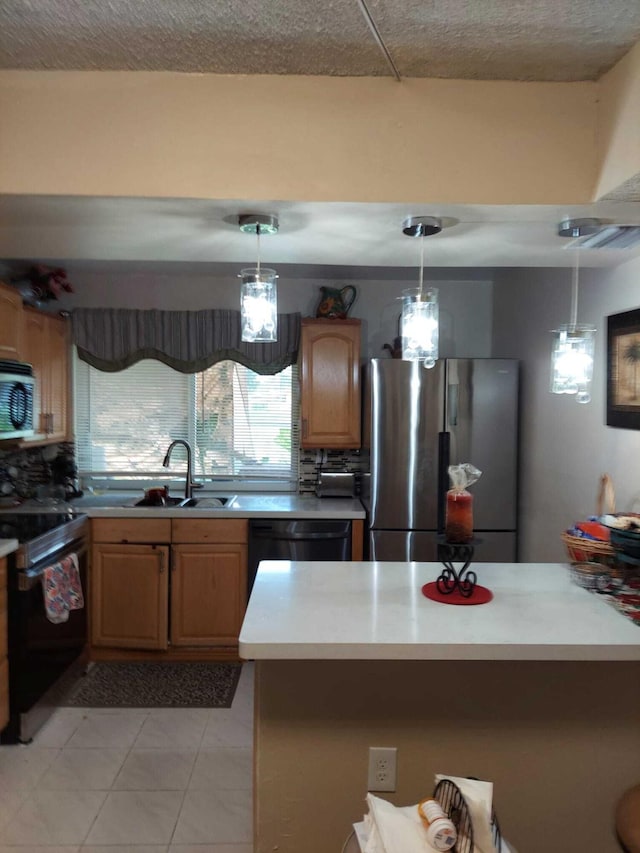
x=422 y=421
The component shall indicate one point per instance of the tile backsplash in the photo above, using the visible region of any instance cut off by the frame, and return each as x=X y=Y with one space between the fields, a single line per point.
x=343 y=461
x=22 y=470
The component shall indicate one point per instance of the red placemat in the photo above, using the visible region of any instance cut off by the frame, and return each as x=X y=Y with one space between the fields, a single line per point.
x=481 y=595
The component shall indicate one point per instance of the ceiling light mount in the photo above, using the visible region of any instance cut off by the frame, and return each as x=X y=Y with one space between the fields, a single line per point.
x=258 y=223
x=421 y=226
x=583 y=227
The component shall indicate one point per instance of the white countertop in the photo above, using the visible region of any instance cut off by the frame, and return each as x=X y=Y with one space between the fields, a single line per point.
x=8 y=546
x=245 y=505
x=376 y=611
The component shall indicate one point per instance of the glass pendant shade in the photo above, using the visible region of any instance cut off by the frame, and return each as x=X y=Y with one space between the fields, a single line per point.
x=259 y=305
x=419 y=325
x=572 y=359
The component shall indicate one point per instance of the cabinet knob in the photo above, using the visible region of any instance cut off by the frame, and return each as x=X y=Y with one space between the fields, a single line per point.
x=305 y=427
x=161 y=562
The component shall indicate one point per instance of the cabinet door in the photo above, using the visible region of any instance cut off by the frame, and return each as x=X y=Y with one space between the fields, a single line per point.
x=4 y=666
x=10 y=323
x=46 y=347
x=58 y=378
x=330 y=383
x=208 y=594
x=129 y=596
x=35 y=352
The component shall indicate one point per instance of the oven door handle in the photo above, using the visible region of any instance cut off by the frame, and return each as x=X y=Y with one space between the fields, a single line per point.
x=28 y=578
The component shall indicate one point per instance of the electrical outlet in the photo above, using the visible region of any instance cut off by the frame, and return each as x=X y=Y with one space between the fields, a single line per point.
x=382 y=768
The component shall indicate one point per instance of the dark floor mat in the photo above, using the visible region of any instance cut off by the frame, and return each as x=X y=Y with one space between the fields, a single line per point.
x=156 y=685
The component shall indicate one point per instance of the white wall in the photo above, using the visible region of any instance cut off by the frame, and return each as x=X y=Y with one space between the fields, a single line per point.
x=465 y=303
x=565 y=446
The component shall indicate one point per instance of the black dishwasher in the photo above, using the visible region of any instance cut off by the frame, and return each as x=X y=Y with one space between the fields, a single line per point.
x=297 y=539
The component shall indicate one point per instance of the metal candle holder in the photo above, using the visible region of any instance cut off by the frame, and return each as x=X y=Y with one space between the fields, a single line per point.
x=451 y=580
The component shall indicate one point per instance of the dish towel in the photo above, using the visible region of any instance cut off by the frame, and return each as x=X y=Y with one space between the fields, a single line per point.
x=62 y=590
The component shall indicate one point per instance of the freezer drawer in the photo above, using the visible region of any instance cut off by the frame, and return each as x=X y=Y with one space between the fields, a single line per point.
x=422 y=546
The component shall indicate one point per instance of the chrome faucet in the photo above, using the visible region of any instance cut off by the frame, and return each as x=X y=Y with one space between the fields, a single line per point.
x=189 y=485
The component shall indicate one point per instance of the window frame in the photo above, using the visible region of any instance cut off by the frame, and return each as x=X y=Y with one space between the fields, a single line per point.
x=98 y=481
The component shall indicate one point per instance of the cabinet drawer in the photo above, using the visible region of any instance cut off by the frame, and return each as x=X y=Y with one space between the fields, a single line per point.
x=4 y=693
x=218 y=530
x=154 y=530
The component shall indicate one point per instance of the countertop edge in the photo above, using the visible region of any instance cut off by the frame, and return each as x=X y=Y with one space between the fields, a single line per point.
x=152 y=512
x=478 y=652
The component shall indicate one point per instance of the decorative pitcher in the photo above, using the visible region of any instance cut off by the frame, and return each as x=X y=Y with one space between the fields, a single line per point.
x=335 y=304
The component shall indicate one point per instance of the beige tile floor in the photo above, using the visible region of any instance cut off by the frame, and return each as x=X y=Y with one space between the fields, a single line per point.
x=132 y=781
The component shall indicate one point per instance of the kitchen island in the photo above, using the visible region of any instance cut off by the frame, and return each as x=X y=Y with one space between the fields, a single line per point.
x=538 y=691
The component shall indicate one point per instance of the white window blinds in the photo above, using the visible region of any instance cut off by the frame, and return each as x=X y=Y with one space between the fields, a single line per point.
x=241 y=425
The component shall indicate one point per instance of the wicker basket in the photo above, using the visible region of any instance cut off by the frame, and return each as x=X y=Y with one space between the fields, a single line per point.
x=582 y=550
x=588 y=550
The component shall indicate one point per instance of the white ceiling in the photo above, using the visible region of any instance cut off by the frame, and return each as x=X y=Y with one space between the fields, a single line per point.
x=485 y=39
x=317 y=234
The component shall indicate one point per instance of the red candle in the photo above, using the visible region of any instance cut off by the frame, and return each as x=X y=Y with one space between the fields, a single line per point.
x=459 y=517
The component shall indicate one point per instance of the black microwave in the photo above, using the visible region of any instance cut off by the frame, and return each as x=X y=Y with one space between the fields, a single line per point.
x=16 y=399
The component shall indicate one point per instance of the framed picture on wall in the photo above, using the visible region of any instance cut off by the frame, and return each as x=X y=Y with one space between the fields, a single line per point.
x=623 y=370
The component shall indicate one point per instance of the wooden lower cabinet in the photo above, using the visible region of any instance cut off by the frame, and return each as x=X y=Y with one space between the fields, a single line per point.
x=166 y=598
x=129 y=596
x=208 y=594
x=4 y=664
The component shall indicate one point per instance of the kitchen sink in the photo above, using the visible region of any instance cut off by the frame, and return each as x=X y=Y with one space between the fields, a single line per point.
x=207 y=502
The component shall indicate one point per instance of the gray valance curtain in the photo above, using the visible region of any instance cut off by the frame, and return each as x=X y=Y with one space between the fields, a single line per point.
x=111 y=339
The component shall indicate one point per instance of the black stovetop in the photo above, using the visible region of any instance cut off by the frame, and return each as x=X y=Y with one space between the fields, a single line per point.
x=26 y=526
x=42 y=535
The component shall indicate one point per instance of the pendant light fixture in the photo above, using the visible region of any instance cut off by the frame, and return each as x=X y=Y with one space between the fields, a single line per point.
x=258 y=295
x=573 y=349
x=419 y=318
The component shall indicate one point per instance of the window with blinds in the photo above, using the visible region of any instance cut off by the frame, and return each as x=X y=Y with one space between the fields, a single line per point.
x=242 y=426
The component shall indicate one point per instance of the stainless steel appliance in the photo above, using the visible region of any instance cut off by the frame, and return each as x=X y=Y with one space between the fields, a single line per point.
x=42 y=655
x=297 y=539
x=422 y=421
x=336 y=485
x=16 y=399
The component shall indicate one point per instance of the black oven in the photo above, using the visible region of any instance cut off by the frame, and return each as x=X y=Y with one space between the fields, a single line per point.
x=42 y=655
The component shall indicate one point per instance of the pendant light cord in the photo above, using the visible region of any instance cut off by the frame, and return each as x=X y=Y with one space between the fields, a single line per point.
x=574 y=292
x=258 y=237
x=421 y=264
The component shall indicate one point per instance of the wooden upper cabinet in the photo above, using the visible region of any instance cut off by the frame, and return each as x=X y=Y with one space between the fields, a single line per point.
x=10 y=324
x=330 y=383
x=46 y=346
x=58 y=379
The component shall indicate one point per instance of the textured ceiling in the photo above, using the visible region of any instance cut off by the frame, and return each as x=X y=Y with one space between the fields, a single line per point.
x=546 y=40
x=473 y=39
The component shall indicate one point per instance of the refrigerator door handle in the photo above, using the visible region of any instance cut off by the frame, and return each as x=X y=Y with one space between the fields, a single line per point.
x=444 y=440
x=452 y=400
